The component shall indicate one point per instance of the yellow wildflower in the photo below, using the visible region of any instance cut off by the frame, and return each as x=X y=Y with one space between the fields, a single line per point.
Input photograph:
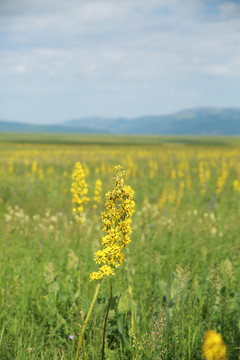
x=103 y=270
x=213 y=347
x=34 y=166
x=119 y=207
x=97 y=193
x=79 y=189
x=236 y=185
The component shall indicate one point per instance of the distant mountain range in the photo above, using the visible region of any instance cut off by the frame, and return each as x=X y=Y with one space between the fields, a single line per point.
x=199 y=121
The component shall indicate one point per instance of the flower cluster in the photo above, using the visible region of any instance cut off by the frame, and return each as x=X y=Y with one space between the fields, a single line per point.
x=79 y=189
x=16 y=219
x=97 y=193
x=119 y=207
x=213 y=346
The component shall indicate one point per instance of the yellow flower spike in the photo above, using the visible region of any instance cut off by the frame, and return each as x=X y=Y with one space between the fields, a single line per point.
x=119 y=207
x=79 y=190
x=97 y=193
x=213 y=347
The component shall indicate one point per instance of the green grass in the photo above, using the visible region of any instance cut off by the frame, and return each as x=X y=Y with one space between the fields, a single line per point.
x=109 y=139
x=181 y=274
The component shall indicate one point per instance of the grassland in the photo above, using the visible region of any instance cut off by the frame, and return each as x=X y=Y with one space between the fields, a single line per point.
x=181 y=273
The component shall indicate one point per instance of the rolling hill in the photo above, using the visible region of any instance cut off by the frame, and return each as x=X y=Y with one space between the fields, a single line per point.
x=198 y=121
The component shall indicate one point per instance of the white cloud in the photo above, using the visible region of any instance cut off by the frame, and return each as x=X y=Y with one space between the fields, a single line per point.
x=216 y=70
x=97 y=10
x=19 y=69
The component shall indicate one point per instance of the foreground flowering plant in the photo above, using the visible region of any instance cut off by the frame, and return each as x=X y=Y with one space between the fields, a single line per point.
x=119 y=207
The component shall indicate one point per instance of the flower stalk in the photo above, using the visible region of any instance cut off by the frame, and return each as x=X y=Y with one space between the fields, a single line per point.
x=86 y=321
x=105 y=321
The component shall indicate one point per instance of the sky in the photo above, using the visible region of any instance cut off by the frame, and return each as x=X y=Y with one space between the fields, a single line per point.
x=67 y=59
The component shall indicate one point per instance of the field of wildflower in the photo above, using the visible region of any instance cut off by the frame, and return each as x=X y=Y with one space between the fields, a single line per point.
x=119 y=247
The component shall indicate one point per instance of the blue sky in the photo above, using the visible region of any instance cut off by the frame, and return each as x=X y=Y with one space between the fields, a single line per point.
x=64 y=59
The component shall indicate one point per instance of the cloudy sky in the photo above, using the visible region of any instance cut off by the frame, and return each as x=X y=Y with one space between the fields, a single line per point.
x=65 y=59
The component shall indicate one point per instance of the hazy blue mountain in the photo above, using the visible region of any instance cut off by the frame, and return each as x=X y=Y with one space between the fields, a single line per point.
x=198 y=121
x=202 y=121
x=109 y=125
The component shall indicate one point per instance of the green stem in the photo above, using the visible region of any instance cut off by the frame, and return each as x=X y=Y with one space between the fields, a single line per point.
x=105 y=320
x=86 y=321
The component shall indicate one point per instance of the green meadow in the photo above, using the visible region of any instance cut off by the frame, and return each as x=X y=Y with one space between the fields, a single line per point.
x=181 y=272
